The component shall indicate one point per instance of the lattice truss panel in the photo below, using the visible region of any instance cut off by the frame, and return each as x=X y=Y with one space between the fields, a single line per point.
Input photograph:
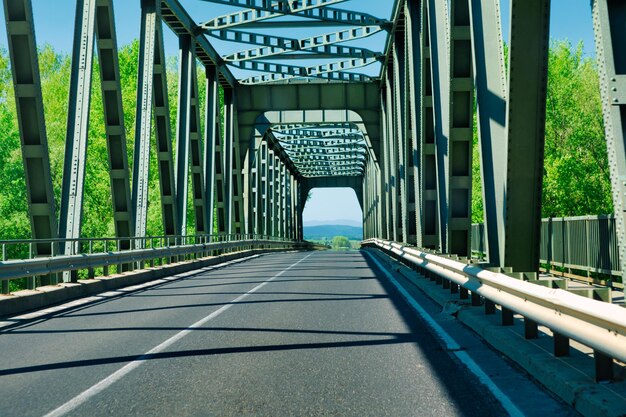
x=327 y=55
x=323 y=150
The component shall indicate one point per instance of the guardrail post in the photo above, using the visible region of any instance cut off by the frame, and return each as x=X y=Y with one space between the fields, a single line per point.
x=31 y=282
x=463 y=293
x=490 y=307
x=604 y=366
x=561 y=345
x=4 y=283
x=531 y=330
x=507 y=317
x=91 y=271
x=476 y=299
x=446 y=284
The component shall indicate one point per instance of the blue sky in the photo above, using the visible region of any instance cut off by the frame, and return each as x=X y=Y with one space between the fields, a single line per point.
x=54 y=19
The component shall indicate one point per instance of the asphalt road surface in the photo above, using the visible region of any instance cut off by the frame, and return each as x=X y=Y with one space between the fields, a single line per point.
x=292 y=334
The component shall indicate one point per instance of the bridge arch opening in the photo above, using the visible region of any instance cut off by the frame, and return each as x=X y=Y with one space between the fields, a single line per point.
x=331 y=213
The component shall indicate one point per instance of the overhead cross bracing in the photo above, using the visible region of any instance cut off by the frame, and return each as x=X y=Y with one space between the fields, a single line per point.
x=323 y=150
x=338 y=51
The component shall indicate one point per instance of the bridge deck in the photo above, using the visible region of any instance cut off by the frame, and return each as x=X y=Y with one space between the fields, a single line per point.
x=285 y=334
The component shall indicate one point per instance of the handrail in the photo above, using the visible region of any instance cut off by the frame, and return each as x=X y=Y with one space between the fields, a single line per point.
x=48 y=265
x=599 y=325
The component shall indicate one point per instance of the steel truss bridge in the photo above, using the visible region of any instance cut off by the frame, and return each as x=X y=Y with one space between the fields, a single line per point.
x=299 y=95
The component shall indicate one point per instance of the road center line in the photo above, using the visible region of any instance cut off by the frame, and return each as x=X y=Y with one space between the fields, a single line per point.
x=120 y=373
x=451 y=344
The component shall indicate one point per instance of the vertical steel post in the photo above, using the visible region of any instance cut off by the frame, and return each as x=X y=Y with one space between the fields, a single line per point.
x=489 y=79
x=141 y=165
x=119 y=172
x=277 y=197
x=439 y=43
x=73 y=188
x=228 y=159
x=610 y=32
x=196 y=152
x=186 y=66
x=163 y=134
x=239 y=199
x=18 y=15
x=386 y=174
x=428 y=154
x=263 y=214
x=453 y=104
x=271 y=223
x=392 y=155
x=300 y=210
x=152 y=91
x=220 y=192
x=254 y=186
x=211 y=129
x=283 y=200
x=399 y=110
x=415 y=91
x=526 y=111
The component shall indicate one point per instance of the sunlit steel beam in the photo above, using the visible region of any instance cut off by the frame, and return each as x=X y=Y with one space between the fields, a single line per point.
x=325 y=44
x=292 y=134
x=315 y=125
x=315 y=9
x=280 y=72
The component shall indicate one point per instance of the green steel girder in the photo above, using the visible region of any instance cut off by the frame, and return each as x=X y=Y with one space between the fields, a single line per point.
x=22 y=44
x=325 y=44
x=308 y=157
x=319 y=174
x=322 y=142
x=313 y=151
x=72 y=191
x=303 y=156
x=153 y=102
x=610 y=32
x=326 y=151
x=310 y=149
x=119 y=172
x=319 y=135
x=211 y=143
x=280 y=128
x=329 y=165
x=181 y=23
x=525 y=122
x=315 y=9
x=331 y=71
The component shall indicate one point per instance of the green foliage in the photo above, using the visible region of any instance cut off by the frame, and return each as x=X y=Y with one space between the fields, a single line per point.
x=341 y=242
x=55 y=71
x=576 y=175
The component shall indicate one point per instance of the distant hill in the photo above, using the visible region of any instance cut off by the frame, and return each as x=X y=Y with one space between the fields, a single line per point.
x=328 y=231
x=342 y=222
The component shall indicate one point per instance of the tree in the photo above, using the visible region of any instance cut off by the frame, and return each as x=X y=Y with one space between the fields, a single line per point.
x=340 y=242
x=576 y=178
x=576 y=169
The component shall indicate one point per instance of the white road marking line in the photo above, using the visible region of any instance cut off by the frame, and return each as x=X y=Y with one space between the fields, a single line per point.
x=452 y=345
x=120 y=373
x=114 y=293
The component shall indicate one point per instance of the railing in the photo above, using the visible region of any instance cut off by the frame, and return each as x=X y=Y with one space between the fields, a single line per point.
x=598 y=325
x=585 y=243
x=99 y=255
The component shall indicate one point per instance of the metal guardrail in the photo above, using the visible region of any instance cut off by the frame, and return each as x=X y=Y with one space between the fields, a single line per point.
x=90 y=254
x=585 y=243
x=598 y=325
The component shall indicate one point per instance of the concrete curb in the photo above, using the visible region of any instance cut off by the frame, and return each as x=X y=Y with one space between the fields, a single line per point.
x=570 y=378
x=28 y=300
